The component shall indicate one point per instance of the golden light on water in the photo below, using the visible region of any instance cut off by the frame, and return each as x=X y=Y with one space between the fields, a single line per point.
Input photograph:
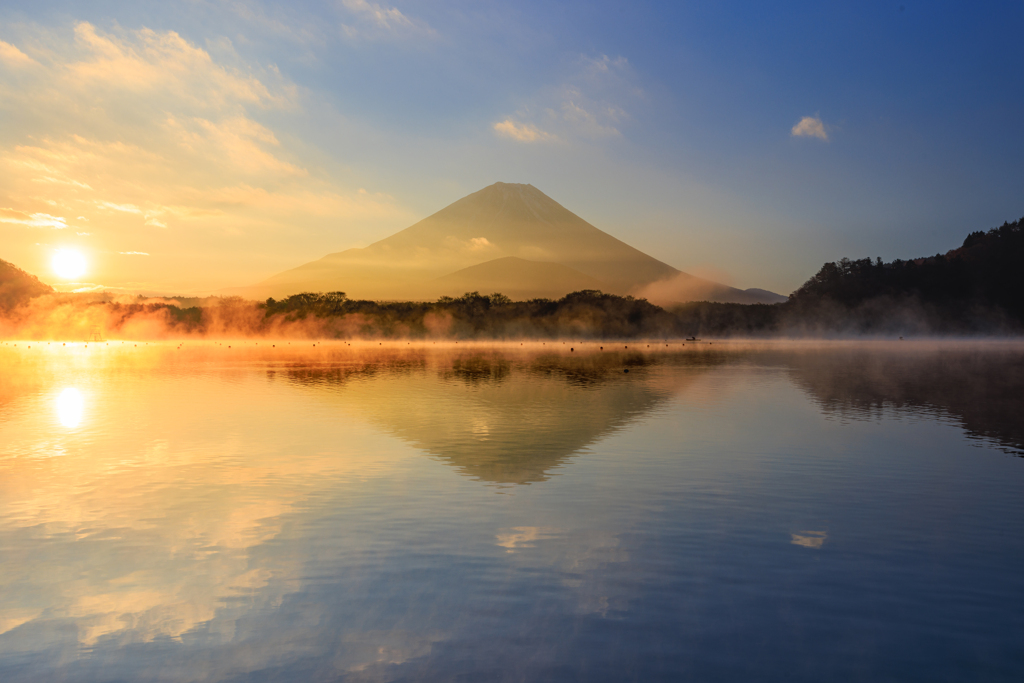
x=69 y=407
x=68 y=264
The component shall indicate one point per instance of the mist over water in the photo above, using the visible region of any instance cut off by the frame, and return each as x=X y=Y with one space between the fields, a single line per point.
x=282 y=509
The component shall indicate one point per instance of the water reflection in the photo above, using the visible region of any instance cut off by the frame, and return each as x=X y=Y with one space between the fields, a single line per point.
x=246 y=520
x=980 y=388
x=810 y=539
x=70 y=406
x=497 y=419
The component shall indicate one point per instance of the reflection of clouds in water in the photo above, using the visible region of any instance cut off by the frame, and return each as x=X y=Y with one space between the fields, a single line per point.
x=523 y=537
x=367 y=651
x=70 y=407
x=810 y=539
x=580 y=557
x=191 y=508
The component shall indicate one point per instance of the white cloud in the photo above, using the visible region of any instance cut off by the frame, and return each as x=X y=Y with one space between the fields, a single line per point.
x=523 y=132
x=810 y=127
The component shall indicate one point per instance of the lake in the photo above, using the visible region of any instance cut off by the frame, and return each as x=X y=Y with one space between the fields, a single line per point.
x=291 y=511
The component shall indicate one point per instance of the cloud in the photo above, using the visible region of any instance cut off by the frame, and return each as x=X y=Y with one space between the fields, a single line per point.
x=810 y=127
x=126 y=128
x=591 y=104
x=167 y=64
x=124 y=208
x=523 y=132
x=378 y=21
x=133 y=253
x=9 y=54
x=604 y=64
x=238 y=140
x=601 y=123
x=32 y=220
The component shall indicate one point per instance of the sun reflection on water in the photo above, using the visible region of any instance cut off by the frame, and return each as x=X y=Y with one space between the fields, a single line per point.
x=69 y=407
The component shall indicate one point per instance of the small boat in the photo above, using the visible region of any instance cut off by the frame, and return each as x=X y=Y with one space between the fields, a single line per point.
x=692 y=339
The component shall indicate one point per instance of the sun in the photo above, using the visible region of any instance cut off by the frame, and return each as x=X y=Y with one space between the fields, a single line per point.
x=68 y=264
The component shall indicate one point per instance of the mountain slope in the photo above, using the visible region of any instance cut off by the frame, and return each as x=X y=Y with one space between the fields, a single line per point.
x=503 y=220
x=517 y=278
x=17 y=286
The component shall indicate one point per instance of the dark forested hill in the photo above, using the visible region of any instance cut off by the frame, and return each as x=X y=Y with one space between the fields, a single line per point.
x=975 y=288
x=17 y=286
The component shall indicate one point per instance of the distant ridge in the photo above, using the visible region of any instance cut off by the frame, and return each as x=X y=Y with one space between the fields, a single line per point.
x=769 y=297
x=534 y=245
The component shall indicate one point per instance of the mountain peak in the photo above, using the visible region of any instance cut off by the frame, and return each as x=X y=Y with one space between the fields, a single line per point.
x=507 y=235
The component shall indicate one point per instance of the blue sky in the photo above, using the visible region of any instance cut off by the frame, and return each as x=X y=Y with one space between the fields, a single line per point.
x=198 y=145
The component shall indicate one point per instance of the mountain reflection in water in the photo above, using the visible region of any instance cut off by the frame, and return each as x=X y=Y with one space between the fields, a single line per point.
x=499 y=419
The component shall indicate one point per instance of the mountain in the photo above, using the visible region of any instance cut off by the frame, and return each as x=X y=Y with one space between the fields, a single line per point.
x=17 y=286
x=516 y=278
x=533 y=244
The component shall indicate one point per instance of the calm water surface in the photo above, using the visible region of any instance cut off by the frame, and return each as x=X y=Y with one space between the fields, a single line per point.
x=399 y=512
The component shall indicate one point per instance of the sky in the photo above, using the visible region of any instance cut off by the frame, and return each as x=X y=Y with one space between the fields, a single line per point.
x=184 y=147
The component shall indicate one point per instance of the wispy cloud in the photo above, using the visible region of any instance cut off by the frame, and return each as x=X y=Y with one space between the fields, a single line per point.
x=165 y=64
x=810 y=127
x=32 y=220
x=239 y=140
x=133 y=253
x=594 y=122
x=124 y=208
x=523 y=132
x=590 y=105
x=376 y=20
x=126 y=128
